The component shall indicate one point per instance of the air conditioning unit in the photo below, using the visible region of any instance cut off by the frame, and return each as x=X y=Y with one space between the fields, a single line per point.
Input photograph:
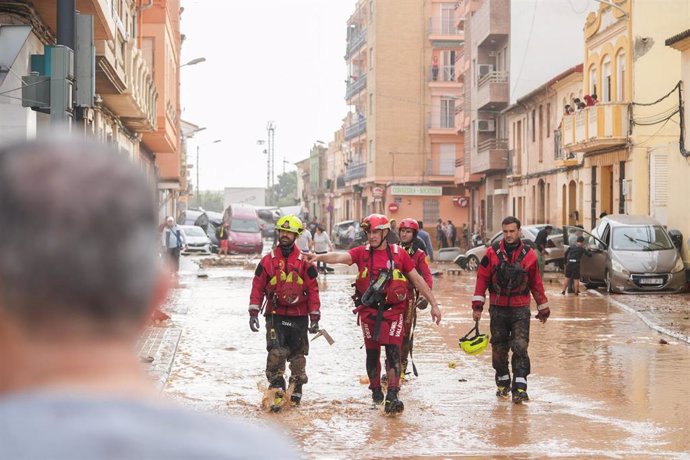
x=492 y=53
x=486 y=126
x=485 y=69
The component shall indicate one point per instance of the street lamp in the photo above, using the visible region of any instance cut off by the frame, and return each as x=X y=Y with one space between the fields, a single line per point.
x=197 y=166
x=198 y=60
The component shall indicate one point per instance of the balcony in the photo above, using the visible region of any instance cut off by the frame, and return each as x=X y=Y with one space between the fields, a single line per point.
x=356 y=129
x=492 y=91
x=136 y=104
x=440 y=167
x=464 y=9
x=105 y=19
x=355 y=171
x=444 y=33
x=356 y=86
x=491 y=22
x=110 y=67
x=444 y=75
x=441 y=122
x=357 y=40
x=492 y=155
x=593 y=128
x=462 y=174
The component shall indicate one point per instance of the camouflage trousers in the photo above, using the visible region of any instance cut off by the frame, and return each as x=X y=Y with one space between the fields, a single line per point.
x=286 y=341
x=510 y=332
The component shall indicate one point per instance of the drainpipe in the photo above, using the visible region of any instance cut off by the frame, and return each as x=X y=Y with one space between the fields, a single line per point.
x=66 y=16
x=681 y=115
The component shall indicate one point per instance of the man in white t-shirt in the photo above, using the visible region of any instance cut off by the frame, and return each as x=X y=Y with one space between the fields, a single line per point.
x=303 y=242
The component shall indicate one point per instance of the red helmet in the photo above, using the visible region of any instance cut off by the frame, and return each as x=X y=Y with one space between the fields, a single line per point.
x=375 y=222
x=409 y=223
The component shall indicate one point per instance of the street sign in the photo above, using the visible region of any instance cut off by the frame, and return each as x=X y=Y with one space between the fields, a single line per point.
x=377 y=192
x=393 y=207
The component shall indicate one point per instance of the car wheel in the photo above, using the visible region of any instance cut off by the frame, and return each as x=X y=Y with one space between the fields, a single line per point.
x=472 y=263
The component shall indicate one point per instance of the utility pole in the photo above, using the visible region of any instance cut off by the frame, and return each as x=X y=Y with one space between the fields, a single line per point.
x=270 y=153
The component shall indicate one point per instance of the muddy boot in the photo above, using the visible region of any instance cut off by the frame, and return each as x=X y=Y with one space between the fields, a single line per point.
x=520 y=396
x=296 y=396
x=502 y=392
x=392 y=404
x=377 y=395
x=278 y=401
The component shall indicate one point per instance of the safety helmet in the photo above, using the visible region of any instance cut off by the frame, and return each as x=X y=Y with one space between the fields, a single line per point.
x=289 y=223
x=375 y=222
x=476 y=344
x=409 y=223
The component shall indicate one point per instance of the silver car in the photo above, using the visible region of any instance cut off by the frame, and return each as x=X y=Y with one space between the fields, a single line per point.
x=632 y=254
x=198 y=241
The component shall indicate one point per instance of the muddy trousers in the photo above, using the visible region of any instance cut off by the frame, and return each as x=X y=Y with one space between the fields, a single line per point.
x=510 y=332
x=286 y=341
x=392 y=366
x=408 y=338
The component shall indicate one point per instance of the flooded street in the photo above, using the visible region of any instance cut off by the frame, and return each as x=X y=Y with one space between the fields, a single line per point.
x=601 y=383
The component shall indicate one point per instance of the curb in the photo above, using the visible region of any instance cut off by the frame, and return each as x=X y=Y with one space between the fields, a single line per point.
x=647 y=321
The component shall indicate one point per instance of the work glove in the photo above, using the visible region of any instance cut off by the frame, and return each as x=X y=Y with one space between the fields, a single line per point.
x=314 y=324
x=422 y=303
x=543 y=313
x=254 y=323
x=477 y=308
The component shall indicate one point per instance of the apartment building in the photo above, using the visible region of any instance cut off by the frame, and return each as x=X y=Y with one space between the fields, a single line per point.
x=484 y=66
x=624 y=142
x=136 y=108
x=537 y=169
x=400 y=139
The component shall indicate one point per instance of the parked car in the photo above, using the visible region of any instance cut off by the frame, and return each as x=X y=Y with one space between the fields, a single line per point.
x=209 y=221
x=632 y=254
x=554 y=247
x=339 y=235
x=197 y=240
x=244 y=229
x=269 y=217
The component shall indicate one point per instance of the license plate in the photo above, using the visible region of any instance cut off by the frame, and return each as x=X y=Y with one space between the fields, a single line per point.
x=651 y=281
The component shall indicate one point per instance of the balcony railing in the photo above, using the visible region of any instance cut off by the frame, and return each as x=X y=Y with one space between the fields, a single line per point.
x=440 y=167
x=495 y=76
x=356 y=129
x=442 y=73
x=443 y=26
x=492 y=144
x=355 y=171
x=441 y=120
x=602 y=125
x=356 y=86
x=357 y=40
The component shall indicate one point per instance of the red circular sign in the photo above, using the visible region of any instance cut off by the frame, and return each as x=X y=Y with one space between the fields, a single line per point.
x=461 y=201
x=393 y=207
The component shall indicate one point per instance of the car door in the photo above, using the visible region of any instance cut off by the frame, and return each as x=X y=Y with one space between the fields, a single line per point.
x=593 y=267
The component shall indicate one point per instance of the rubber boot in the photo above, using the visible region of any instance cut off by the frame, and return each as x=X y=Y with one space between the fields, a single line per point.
x=520 y=396
x=296 y=396
x=502 y=392
x=377 y=395
x=392 y=404
x=278 y=401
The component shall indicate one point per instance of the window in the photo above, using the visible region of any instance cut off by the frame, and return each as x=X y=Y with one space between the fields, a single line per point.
x=447 y=160
x=447 y=19
x=606 y=80
x=448 y=65
x=371 y=58
x=620 y=77
x=541 y=134
x=430 y=210
x=592 y=80
x=548 y=119
x=534 y=125
x=474 y=133
x=371 y=103
x=447 y=112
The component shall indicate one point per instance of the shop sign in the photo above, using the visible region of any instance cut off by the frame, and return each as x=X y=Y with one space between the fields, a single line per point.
x=416 y=190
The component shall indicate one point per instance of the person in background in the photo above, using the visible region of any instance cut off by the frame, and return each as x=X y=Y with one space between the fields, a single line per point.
x=174 y=242
x=426 y=238
x=303 y=241
x=312 y=226
x=351 y=235
x=321 y=244
x=73 y=304
x=222 y=235
x=465 y=237
x=573 y=256
x=393 y=237
x=540 y=242
x=440 y=234
x=452 y=234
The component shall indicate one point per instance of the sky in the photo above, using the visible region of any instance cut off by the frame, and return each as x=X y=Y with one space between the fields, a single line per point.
x=282 y=61
x=269 y=60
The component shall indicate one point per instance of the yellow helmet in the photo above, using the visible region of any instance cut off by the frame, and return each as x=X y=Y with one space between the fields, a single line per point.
x=289 y=223
x=474 y=345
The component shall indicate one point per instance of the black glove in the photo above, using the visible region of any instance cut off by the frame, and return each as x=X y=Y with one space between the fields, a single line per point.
x=422 y=303
x=254 y=323
x=314 y=327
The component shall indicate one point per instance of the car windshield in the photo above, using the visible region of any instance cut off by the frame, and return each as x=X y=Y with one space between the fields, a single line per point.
x=244 y=225
x=194 y=231
x=641 y=238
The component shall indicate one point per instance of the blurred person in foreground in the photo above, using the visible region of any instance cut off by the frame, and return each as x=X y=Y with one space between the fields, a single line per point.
x=72 y=306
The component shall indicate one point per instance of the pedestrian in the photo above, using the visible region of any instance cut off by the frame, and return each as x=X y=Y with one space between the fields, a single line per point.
x=381 y=289
x=434 y=68
x=426 y=238
x=440 y=234
x=304 y=239
x=73 y=304
x=287 y=282
x=312 y=225
x=465 y=237
x=509 y=271
x=540 y=242
x=410 y=242
x=392 y=237
x=321 y=244
x=452 y=234
x=573 y=256
x=222 y=235
x=174 y=242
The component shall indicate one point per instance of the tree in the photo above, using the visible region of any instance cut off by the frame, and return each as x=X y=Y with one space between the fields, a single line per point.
x=209 y=200
x=285 y=191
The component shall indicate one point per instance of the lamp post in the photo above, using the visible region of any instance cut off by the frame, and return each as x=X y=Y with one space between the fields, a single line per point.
x=195 y=61
x=197 y=167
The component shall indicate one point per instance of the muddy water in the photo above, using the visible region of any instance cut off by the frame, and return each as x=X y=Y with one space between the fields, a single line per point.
x=601 y=384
